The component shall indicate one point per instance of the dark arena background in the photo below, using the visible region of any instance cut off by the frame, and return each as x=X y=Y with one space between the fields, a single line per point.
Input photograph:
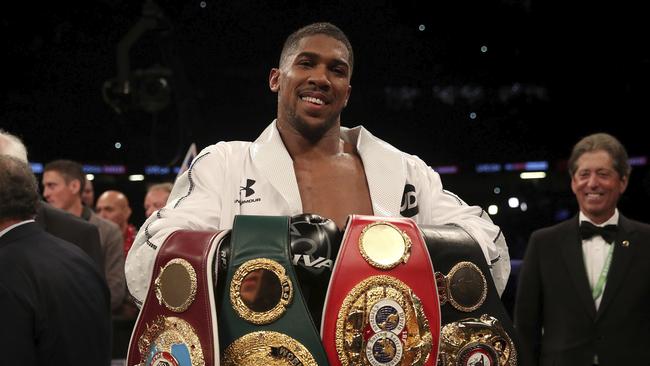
x=483 y=91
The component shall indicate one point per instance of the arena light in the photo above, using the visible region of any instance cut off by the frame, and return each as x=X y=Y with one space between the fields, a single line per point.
x=532 y=175
x=513 y=202
x=493 y=209
x=136 y=177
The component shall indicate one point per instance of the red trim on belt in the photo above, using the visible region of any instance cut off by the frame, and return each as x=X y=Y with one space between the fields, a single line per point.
x=194 y=247
x=351 y=268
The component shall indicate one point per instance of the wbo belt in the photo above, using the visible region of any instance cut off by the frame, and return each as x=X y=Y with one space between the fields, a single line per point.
x=382 y=305
x=263 y=318
x=177 y=325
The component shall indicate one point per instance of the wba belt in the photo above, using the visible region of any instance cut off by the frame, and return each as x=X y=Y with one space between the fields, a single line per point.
x=263 y=318
x=382 y=305
x=177 y=324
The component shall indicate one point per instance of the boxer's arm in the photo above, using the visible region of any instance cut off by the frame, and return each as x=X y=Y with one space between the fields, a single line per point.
x=448 y=208
x=194 y=204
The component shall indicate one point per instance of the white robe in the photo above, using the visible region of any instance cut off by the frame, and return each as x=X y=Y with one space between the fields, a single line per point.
x=219 y=185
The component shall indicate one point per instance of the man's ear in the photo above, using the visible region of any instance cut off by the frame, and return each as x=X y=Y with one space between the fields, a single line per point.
x=75 y=186
x=347 y=97
x=274 y=80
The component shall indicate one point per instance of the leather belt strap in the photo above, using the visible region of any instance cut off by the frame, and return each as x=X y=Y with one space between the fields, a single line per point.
x=363 y=268
x=262 y=242
x=177 y=323
x=477 y=309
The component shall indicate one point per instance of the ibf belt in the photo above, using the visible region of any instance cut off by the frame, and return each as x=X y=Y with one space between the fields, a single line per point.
x=263 y=319
x=473 y=341
x=380 y=307
x=177 y=325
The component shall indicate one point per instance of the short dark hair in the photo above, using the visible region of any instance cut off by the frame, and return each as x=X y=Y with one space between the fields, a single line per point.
x=325 y=28
x=604 y=142
x=70 y=170
x=19 y=196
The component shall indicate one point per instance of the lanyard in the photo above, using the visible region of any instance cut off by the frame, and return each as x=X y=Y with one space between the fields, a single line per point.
x=598 y=289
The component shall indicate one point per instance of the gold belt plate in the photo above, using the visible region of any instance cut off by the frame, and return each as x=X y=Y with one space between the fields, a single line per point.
x=267 y=348
x=382 y=322
x=472 y=341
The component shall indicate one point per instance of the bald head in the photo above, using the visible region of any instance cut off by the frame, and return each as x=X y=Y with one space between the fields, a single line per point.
x=114 y=206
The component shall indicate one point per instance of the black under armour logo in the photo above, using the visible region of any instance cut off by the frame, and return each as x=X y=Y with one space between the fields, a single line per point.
x=248 y=190
x=409 y=207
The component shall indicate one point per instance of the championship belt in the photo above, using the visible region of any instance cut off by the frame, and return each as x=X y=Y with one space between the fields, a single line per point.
x=262 y=316
x=382 y=307
x=481 y=341
x=476 y=325
x=177 y=325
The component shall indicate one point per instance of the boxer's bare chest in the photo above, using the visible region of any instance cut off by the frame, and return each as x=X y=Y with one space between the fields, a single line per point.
x=334 y=187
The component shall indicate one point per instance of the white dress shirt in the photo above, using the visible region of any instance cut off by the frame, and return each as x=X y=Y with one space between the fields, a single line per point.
x=595 y=251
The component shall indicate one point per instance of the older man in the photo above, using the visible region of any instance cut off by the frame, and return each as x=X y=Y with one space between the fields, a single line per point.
x=584 y=286
x=53 y=220
x=54 y=300
x=156 y=197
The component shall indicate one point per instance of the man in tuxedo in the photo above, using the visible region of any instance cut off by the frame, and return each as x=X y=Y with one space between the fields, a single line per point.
x=58 y=222
x=55 y=302
x=584 y=286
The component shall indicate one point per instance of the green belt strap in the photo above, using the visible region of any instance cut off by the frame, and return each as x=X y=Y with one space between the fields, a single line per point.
x=266 y=237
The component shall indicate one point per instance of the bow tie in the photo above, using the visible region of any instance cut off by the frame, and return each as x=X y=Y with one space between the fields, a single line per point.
x=608 y=232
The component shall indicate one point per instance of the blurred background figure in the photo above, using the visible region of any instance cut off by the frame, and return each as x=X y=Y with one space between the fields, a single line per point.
x=88 y=194
x=114 y=206
x=156 y=197
x=55 y=301
x=63 y=181
x=58 y=222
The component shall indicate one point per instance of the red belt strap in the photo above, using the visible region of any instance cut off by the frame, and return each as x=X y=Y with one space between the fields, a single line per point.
x=352 y=270
x=169 y=330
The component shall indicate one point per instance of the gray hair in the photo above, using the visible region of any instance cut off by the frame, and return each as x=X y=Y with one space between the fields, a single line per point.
x=604 y=142
x=12 y=145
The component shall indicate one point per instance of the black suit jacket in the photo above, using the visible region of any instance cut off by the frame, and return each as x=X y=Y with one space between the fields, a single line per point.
x=554 y=295
x=71 y=228
x=55 y=304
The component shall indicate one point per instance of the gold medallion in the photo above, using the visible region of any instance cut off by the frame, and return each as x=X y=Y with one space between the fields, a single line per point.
x=169 y=341
x=384 y=246
x=260 y=291
x=465 y=287
x=382 y=322
x=269 y=349
x=175 y=285
x=474 y=341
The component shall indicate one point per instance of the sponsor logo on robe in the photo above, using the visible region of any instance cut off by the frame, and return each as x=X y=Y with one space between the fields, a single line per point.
x=409 y=207
x=248 y=191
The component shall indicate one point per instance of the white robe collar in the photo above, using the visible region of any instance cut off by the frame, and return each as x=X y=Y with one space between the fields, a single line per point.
x=384 y=166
